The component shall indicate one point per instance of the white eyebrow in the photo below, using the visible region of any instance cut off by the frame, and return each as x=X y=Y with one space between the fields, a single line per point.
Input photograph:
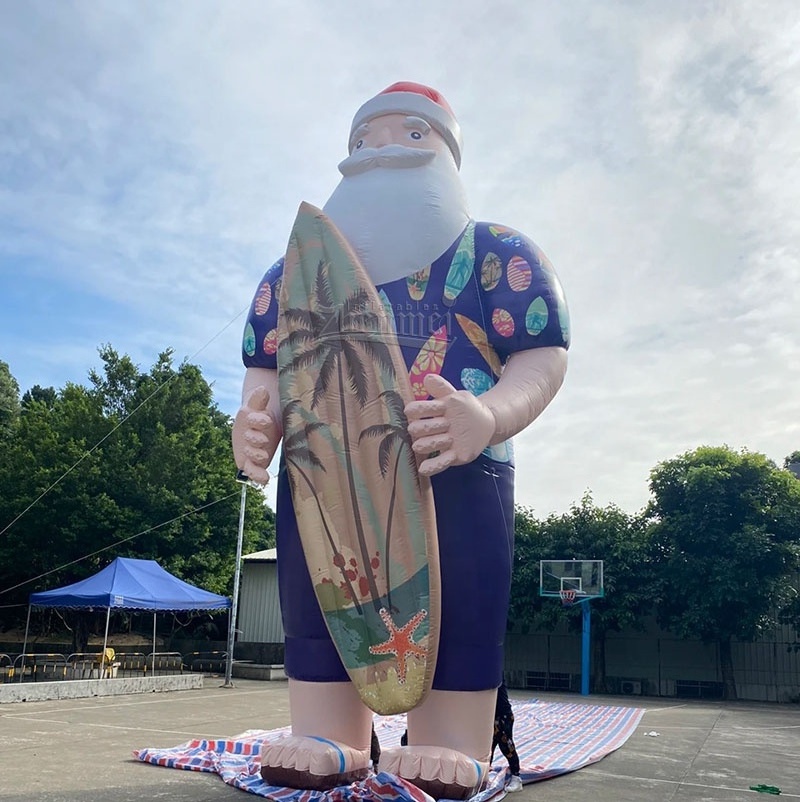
x=358 y=133
x=417 y=122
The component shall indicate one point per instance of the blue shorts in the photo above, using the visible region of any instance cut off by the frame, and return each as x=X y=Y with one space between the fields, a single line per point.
x=475 y=523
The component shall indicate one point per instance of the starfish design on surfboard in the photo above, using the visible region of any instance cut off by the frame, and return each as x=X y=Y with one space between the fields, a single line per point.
x=400 y=643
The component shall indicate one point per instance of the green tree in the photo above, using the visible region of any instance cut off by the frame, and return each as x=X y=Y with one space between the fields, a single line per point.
x=790 y=614
x=525 y=603
x=46 y=510
x=89 y=469
x=586 y=532
x=726 y=526
x=120 y=377
x=47 y=395
x=9 y=400
x=171 y=455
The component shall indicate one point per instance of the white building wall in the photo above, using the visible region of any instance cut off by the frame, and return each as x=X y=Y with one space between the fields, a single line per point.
x=259 y=603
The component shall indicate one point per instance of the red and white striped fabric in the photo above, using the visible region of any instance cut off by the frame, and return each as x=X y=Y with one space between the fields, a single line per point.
x=552 y=738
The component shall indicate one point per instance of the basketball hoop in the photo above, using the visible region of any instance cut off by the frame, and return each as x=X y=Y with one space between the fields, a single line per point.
x=568 y=597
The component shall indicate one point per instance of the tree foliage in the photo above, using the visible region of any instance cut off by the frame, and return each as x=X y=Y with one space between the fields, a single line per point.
x=726 y=525
x=9 y=401
x=793 y=462
x=137 y=464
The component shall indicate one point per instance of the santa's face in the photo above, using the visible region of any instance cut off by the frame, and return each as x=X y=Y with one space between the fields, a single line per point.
x=400 y=202
x=393 y=141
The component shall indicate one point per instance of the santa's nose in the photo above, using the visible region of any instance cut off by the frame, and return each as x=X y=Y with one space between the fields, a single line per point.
x=382 y=137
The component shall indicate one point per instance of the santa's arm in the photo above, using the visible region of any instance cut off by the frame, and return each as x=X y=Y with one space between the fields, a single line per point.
x=257 y=425
x=455 y=426
x=528 y=383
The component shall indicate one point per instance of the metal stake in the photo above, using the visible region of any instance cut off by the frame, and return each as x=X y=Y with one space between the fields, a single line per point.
x=235 y=600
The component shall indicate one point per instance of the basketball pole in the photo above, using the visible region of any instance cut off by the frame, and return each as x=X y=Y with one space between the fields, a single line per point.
x=577 y=581
x=586 y=637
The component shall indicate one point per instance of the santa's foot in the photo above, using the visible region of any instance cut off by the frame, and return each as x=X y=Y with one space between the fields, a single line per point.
x=442 y=773
x=311 y=763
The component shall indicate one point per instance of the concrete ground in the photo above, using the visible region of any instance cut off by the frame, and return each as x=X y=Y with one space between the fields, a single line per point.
x=72 y=750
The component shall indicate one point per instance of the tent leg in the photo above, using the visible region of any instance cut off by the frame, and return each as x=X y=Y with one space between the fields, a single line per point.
x=235 y=599
x=153 y=654
x=25 y=645
x=105 y=645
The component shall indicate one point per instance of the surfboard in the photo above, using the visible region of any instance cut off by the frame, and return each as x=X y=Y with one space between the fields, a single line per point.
x=365 y=516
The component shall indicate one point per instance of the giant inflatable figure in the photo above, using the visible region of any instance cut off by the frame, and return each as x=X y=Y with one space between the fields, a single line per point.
x=396 y=348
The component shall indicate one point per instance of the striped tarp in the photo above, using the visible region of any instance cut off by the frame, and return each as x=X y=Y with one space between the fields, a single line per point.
x=551 y=738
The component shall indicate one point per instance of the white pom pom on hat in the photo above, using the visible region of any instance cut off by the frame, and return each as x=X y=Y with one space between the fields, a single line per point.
x=406 y=97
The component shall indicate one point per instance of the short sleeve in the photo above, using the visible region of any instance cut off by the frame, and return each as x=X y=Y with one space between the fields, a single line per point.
x=523 y=303
x=260 y=340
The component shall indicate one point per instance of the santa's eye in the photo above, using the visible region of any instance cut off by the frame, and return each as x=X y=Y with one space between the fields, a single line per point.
x=359 y=144
x=415 y=135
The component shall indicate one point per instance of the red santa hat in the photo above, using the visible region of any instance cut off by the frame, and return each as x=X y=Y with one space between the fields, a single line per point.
x=417 y=100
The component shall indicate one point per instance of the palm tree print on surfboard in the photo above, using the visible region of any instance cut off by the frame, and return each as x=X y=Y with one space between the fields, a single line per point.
x=365 y=516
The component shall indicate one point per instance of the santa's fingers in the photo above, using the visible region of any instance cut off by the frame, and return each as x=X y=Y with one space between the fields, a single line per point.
x=256 y=473
x=257 y=438
x=438 y=463
x=247 y=420
x=427 y=427
x=417 y=410
x=428 y=445
x=258 y=456
x=259 y=420
x=257 y=399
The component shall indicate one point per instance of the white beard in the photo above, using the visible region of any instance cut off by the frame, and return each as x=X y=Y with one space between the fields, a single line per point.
x=399 y=220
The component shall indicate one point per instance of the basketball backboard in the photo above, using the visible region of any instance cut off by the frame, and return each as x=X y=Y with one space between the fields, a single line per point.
x=584 y=577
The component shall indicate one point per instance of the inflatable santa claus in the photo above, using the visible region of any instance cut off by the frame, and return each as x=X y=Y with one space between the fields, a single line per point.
x=482 y=323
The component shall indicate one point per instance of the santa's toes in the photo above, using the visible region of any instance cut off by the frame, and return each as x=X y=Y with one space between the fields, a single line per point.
x=314 y=764
x=442 y=773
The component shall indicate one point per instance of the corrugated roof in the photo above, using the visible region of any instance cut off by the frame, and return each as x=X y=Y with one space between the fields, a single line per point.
x=266 y=556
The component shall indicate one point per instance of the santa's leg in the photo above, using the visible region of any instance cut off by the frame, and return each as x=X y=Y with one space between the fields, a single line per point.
x=331 y=727
x=330 y=740
x=455 y=723
x=460 y=724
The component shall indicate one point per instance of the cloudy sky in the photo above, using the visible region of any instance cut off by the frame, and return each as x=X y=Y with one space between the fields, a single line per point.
x=153 y=155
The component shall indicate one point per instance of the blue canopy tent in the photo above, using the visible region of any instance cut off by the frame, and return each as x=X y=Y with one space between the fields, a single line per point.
x=128 y=584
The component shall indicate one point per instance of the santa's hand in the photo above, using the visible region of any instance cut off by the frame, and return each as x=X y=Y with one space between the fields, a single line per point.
x=255 y=436
x=451 y=429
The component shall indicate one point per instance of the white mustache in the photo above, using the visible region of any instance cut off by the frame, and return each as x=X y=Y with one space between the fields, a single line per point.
x=395 y=156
